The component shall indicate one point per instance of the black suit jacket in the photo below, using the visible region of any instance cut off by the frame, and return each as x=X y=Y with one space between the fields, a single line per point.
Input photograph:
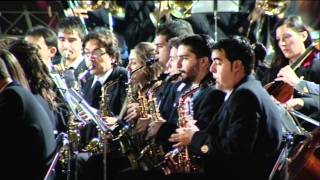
x=242 y=141
x=206 y=102
x=30 y=152
x=81 y=68
x=116 y=92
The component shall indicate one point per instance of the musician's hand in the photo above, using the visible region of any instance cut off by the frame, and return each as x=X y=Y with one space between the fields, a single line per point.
x=182 y=137
x=109 y=121
x=191 y=123
x=154 y=128
x=84 y=116
x=142 y=124
x=294 y=104
x=287 y=75
x=133 y=112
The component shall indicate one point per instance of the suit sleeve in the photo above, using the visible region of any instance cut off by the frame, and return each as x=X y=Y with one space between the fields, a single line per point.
x=236 y=130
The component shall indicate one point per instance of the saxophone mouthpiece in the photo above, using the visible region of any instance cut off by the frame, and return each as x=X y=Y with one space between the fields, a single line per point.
x=66 y=54
x=83 y=74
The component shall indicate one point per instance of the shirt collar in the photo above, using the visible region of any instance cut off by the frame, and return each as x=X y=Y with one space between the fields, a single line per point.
x=75 y=64
x=102 y=79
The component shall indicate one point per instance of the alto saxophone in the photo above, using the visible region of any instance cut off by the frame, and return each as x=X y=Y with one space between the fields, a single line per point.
x=151 y=154
x=143 y=104
x=96 y=144
x=178 y=160
x=67 y=151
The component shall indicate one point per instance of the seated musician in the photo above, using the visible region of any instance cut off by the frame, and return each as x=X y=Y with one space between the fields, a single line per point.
x=242 y=140
x=193 y=63
x=294 y=49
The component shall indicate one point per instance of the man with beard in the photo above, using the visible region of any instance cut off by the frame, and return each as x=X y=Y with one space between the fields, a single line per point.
x=194 y=61
x=243 y=139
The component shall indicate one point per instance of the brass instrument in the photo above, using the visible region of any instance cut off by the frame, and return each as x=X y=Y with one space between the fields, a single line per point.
x=180 y=9
x=153 y=108
x=143 y=102
x=269 y=8
x=178 y=160
x=67 y=151
x=272 y=7
x=104 y=107
x=152 y=154
x=116 y=9
x=96 y=144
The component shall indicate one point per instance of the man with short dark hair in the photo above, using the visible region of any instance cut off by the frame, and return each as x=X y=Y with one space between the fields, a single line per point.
x=71 y=32
x=243 y=139
x=167 y=31
x=46 y=41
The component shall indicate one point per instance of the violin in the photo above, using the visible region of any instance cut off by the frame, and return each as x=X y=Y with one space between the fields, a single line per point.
x=282 y=91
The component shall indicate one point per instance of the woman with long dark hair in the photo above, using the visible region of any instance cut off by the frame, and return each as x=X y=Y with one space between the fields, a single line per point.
x=37 y=75
x=295 y=51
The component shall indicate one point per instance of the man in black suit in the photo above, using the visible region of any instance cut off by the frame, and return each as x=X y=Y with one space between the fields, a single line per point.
x=71 y=32
x=103 y=52
x=243 y=139
x=32 y=152
x=193 y=63
x=101 y=49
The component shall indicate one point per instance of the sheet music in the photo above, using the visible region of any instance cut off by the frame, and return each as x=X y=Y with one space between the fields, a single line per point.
x=208 y=6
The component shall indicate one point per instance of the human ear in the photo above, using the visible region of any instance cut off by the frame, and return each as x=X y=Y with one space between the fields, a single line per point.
x=52 y=51
x=237 y=65
x=304 y=35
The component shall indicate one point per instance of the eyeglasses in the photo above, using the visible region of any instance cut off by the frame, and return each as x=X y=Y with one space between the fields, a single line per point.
x=95 y=53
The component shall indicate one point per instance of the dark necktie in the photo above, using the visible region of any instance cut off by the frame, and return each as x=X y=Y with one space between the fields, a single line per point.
x=96 y=93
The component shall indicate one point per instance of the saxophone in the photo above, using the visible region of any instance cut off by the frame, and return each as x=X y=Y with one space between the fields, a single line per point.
x=178 y=160
x=151 y=154
x=96 y=144
x=143 y=104
x=67 y=151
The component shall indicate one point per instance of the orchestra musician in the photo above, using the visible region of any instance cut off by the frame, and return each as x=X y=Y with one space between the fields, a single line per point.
x=193 y=63
x=294 y=50
x=71 y=32
x=243 y=139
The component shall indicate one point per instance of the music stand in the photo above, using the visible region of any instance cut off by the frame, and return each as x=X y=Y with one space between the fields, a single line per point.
x=215 y=7
x=62 y=141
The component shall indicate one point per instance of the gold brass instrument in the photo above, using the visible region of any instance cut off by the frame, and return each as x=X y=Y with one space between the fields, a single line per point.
x=96 y=144
x=117 y=10
x=153 y=108
x=178 y=160
x=152 y=154
x=104 y=107
x=265 y=7
x=272 y=7
x=180 y=9
x=143 y=102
